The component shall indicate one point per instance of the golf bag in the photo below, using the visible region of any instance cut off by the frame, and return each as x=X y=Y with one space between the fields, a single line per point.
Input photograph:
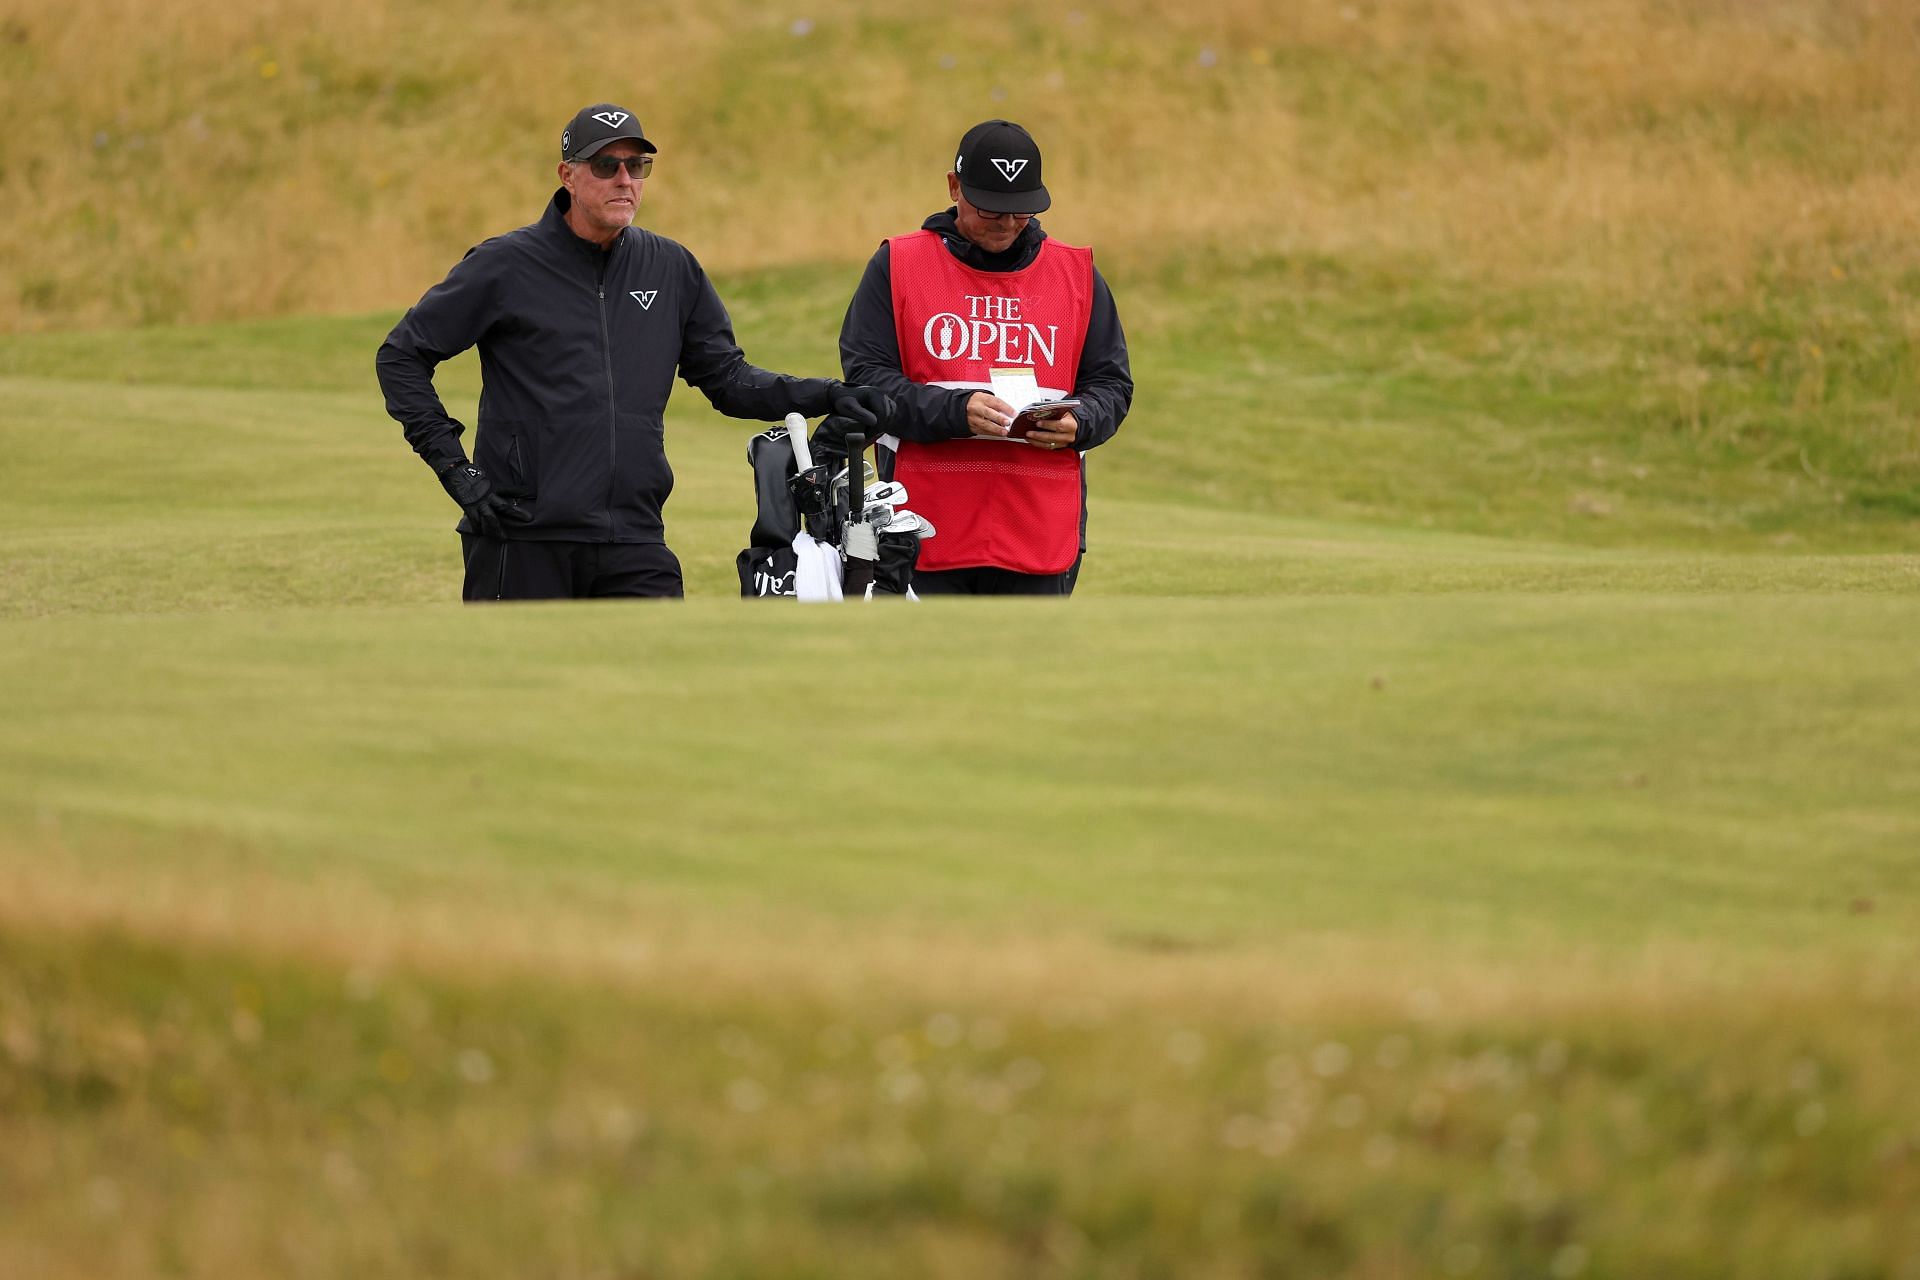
x=816 y=534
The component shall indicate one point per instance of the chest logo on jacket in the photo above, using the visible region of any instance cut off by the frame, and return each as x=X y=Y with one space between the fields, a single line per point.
x=992 y=330
x=644 y=297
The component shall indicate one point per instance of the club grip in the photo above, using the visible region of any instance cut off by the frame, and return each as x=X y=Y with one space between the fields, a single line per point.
x=856 y=476
x=797 y=437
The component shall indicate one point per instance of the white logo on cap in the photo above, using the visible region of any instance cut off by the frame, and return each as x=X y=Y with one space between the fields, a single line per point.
x=1010 y=169
x=617 y=118
x=644 y=297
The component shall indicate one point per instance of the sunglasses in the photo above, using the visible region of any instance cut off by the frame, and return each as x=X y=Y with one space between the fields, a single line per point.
x=991 y=216
x=604 y=167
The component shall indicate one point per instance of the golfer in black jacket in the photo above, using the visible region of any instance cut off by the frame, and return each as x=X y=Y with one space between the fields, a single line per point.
x=582 y=320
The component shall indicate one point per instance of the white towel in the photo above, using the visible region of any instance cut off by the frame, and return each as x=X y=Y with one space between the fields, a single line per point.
x=816 y=574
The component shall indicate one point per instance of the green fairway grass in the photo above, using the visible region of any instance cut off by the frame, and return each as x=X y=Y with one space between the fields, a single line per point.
x=1721 y=769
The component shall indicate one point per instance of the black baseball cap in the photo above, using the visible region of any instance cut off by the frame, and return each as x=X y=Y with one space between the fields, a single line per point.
x=999 y=169
x=594 y=127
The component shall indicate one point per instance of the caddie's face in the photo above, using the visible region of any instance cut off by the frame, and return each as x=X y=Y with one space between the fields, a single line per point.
x=605 y=205
x=994 y=232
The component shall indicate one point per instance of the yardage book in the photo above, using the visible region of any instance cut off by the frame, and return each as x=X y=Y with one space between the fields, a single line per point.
x=1019 y=388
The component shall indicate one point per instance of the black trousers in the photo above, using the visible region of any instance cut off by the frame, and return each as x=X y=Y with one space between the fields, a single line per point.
x=994 y=582
x=511 y=570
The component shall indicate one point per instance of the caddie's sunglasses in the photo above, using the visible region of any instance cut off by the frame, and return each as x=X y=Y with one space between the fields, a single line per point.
x=606 y=166
x=991 y=216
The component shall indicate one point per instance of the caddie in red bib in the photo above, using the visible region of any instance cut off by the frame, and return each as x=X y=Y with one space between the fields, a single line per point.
x=995 y=500
x=965 y=322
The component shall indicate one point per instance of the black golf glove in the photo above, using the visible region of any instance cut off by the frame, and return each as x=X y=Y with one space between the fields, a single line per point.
x=830 y=437
x=468 y=485
x=869 y=409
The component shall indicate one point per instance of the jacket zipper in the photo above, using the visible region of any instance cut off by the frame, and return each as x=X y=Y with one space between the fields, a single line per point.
x=522 y=479
x=613 y=411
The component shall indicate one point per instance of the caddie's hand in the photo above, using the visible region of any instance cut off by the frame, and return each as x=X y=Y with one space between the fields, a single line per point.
x=988 y=414
x=1055 y=433
x=468 y=485
x=869 y=408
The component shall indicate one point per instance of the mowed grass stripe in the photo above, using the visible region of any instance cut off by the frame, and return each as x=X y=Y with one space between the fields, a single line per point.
x=153 y=498
x=1486 y=771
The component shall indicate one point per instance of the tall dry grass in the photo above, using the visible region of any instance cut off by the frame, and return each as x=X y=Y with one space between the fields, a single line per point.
x=193 y=160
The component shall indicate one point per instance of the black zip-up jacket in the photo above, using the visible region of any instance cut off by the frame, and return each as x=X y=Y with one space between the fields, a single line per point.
x=578 y=350
x=870 y=350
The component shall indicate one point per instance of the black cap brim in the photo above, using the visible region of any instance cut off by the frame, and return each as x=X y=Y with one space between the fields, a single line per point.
x=589 y=152
x=1035 y=201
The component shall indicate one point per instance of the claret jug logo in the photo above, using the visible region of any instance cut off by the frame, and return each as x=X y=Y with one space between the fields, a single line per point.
x=946 y=336
x=992 y=330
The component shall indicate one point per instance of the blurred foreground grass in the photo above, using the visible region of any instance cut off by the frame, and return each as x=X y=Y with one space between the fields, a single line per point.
x=211 y=1112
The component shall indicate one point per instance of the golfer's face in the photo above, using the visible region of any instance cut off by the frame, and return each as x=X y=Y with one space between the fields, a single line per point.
x=994 y=232
x=606 y=203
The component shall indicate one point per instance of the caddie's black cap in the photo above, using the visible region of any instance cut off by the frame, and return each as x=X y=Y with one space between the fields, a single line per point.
x=999 y=169
x=594 y=127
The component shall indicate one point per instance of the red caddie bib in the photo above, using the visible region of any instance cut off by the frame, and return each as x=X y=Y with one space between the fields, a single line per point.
x=999 y=503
